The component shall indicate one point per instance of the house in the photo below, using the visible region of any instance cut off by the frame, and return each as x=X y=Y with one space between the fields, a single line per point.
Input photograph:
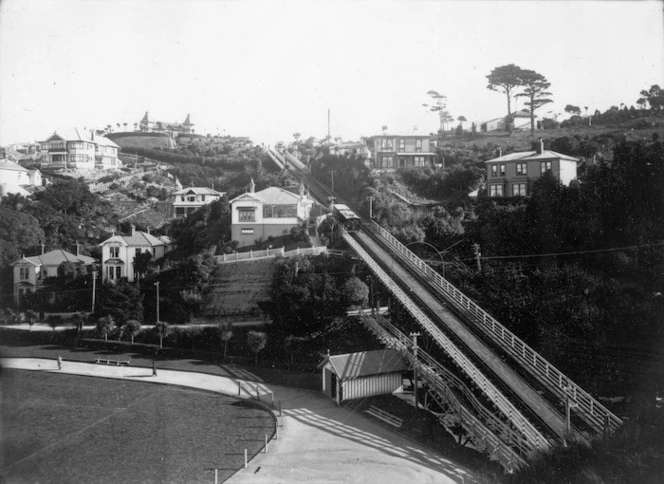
x=270 y=212
x=118 y=252
x=392 y=151
x=173 y=129
x=521 y=120
x=513 y=174
x=365 y=374
x=30 y=272
x=16 y=179
x=74 y=149
x=188 y=200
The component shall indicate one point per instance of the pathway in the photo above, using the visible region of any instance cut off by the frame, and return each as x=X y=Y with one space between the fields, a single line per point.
x=318 y=441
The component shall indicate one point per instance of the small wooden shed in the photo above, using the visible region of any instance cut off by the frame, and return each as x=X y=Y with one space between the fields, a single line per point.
x=365 y=374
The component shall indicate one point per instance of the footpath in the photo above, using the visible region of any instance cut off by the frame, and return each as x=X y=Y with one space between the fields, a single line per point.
x=318 y=442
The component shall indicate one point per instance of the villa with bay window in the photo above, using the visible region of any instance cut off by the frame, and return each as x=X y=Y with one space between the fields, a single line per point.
x=270 y=212
x=74 y=149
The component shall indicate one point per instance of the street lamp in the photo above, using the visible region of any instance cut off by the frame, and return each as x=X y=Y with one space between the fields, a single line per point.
x=94 y=287
x=157 y=284
x=371 y=199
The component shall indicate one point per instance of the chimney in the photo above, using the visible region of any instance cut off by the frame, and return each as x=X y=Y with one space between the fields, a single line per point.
x=42 y=244
x=500 y=151
x=540 y=146
x=113 y=231
x=133 y=229
x=78 y=252
x=148 y=229
x=92 y=134
x=252 y=186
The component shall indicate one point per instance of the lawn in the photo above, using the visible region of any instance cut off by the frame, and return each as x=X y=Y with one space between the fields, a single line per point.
x=72 y=429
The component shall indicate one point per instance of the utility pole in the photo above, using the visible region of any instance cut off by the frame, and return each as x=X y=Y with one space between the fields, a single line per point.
x=568 y=415
x=157 y=284
x=478 y=254
x=328 y=129
x=332 y=174
x=94 y=287
x=371 y=199
x=414 y=336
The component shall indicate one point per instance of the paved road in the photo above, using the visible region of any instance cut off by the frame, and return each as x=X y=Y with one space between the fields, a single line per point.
x=318 y=442
x=526 y=393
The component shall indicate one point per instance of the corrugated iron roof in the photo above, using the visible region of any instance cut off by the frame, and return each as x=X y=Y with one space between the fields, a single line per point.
x=532 y=155
x=355 y=365
x=55 y=258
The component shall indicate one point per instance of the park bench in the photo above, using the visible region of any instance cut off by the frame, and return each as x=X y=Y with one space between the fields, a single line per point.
x=113 y=361
x=385 y=416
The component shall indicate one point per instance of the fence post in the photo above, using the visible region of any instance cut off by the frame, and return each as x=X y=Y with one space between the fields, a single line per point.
x=251 y=254
x=266 y=443
x=258 y=397
x=245 y=458
x=239 y=386
x=276 y=429
x=216 y=476
x=280 y=408
x=272 y=399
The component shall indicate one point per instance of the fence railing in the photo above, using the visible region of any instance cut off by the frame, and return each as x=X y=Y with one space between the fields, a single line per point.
x=483 y=383
x=263 y=254
x=483 y=429
x=598 y=417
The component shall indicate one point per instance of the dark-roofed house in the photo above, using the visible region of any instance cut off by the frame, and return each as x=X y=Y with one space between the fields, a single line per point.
x=512 y=175
x=270 y=212
x=190 y=199
x=30 y=272
x=118 y=252
x=365 y=374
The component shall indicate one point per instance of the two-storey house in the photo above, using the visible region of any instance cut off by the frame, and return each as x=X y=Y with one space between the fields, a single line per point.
x=172 y=128
x=512 y=175
x=74 y=149
x=392 y=151
x=118 y=252
x=270 y=212
x=14 y=178
x=30 y=272
x=187 y=200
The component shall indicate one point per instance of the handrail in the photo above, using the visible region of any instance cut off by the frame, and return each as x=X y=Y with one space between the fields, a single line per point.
x=588 y=408
x=501 y=402
x=439 y=388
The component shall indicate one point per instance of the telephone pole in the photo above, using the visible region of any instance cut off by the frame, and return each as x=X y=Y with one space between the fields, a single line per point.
x=94 y=288
x=371 y=199
x=157 y=284
x=414 y=336
x=478 y=254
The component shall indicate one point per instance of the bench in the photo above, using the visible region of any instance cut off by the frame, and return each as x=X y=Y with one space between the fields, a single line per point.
x=112 y=361
x=385 y=416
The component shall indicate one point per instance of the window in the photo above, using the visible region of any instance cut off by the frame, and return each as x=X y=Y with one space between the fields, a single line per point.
x=502 y=170
x=522 y=168
x=202 y=198
x=402 y=144
x=494 y=170
x=247 y=231
x=246 y=214
x=138 y=252
x=118 y=272
x=182 y=198
x=519 y=190
x=386 y=144
x=545 y=166
x=111 y=272
x=191 y=198
x=495 y=190
x=24 y=273
x=388 y=162
x=279 y=211
x=115 y=252
x=418 y=161
x=418 y=145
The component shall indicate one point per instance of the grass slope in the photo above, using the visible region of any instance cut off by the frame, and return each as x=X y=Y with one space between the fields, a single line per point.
x=63 y=428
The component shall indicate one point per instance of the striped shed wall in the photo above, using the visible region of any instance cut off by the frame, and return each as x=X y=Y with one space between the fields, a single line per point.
x=365 y=374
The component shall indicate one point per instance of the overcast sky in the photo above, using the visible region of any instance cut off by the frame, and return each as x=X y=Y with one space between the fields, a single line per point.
x=269 y=69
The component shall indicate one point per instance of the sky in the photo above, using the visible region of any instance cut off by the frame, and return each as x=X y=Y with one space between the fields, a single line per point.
x=268 y=69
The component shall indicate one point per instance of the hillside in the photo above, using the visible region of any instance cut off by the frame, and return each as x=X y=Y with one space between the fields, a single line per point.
x=142 y=140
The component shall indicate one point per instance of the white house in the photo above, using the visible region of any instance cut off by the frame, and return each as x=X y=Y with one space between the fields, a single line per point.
x=16 y=179
x=118 y=252
x=30 y=272
x=74 y=149
x=270 y=212
x=187 y=200
x=521 y=122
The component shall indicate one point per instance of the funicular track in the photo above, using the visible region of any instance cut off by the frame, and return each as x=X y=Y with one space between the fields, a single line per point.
x=533 y=435
x=596 y=418
x=488 y=431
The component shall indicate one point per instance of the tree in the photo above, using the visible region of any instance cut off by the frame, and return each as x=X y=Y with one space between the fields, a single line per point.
x=162 y=329
x=654 y=96
x=535 y=89
x=105 y=325
x=225 y=334
x=31 y=316
x=573 y=110
x=355 y=291
x=141 y=263
x=132 y=327
x=257 y=341
x=54 y=321
x=506 y=79
x=440 y=107
x=462 y=119
x=77 y=321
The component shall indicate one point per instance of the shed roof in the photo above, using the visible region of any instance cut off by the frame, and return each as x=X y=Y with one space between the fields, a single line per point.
x=11 y=166
x=365 y=363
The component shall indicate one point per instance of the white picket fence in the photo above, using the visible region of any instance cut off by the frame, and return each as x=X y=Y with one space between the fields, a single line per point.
x=268 y=253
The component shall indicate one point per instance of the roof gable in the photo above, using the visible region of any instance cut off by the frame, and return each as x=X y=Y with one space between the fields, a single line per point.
x=248 y=197
x=355 y=365
x=55 y=258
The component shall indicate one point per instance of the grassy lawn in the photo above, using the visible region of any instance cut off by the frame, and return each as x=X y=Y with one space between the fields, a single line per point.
x=72 y=429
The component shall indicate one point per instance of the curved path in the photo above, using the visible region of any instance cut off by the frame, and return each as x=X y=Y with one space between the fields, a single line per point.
x=317 y=440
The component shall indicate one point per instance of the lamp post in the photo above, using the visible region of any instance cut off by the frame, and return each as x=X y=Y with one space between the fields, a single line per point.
x=157 y=284
x=414 y=336
x=94 y=287
x=371 y=199
x=332 y=175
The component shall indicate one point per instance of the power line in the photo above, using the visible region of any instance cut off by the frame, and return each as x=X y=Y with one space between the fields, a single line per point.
x=595 y=251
